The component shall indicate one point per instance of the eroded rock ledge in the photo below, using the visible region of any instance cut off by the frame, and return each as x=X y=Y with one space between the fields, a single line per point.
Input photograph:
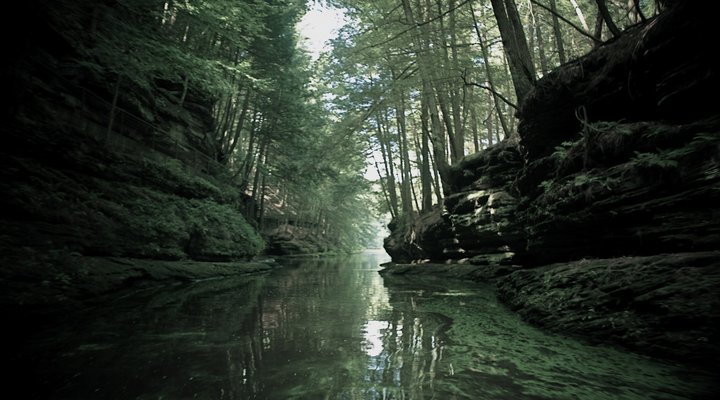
x=665 y=305
x=604 y=220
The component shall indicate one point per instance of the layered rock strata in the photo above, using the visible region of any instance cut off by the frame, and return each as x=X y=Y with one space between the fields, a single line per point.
x=608 y=209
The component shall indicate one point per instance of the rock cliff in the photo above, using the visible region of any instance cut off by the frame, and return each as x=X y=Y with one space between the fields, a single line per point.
x=604 y=220
x=80 y=183
x=67 y=190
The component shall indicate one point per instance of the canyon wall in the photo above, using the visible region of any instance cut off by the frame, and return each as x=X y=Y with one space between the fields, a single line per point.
x=603 y=221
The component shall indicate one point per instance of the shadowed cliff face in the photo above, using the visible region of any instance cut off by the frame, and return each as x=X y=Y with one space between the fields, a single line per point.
x=658 y=71
x=621 y=147
x=477 y=221
x=84 y=171
x=67 y=193
x=609 y=205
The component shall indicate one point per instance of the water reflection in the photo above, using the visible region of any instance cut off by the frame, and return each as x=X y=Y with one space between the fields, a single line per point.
x=373 y=333
x=325 y=329
x=329 y=331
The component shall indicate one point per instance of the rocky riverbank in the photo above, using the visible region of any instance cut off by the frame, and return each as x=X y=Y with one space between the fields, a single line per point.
x=89 y=212
x=30 y=279
x=603 y=221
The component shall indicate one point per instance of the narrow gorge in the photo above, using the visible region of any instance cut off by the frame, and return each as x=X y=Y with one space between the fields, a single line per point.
x=602 y=221
x=361 y=199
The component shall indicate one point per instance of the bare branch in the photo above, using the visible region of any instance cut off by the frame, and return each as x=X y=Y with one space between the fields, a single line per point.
x=567 y=21
x=494 y=92
x=417 y=25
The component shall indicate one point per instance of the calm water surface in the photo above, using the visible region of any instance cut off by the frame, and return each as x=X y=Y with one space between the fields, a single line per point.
x=329 y=329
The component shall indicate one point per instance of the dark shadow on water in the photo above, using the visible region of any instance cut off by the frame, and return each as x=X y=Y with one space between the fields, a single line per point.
x=324 y=328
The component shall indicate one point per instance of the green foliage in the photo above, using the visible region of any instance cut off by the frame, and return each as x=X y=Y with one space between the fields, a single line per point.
x=173 y=176
x=654 y=160
x=585 y=185
x=547 y=185
x=584 y=179
x=221 y=231
x=561 y=151
x=111 y=212
x=156 y=48
x=668 y=159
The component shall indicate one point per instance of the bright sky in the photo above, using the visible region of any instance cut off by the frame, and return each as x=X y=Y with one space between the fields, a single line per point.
x=318 y=26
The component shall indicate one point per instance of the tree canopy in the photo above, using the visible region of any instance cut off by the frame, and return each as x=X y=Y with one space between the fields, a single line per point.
x=326 y=145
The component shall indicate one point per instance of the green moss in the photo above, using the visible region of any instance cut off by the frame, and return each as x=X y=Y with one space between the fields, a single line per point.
x=123 y=207
x=171 y=175
x=495 y=355
x=218 y=231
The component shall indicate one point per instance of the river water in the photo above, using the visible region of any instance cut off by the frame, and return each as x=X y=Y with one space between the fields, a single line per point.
x=328 y=329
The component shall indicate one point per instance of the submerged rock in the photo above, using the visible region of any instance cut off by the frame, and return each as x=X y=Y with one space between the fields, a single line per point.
x=666 y=305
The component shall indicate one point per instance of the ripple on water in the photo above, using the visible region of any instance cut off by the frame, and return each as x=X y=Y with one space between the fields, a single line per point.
x=490 y=347
x=330 y=329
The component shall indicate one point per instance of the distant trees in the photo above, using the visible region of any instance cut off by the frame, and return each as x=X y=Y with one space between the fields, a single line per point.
x=237 y=65
x=414 y=85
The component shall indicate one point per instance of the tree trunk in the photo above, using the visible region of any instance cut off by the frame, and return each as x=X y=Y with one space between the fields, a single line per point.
x=258 y=168
x=490 y=128
x=488 y=72
x=386 y=152
x=263 y=188
x=514 y=41
x=459 y=141
x=602 y=8
x=540 y=40
x=383 y=187
x=250 y=154
x=221 y=128
x=475 y=133
x=427 y=93
x=558 y=33
x=405 y=172
x=449 y=126
x=239 y=126
x=598 y=30
x=436 y=181
x=425 y=164
x=256 y=181
x=580 y=16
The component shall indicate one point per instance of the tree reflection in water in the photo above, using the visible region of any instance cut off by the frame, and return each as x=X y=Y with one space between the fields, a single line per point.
x=328 y=328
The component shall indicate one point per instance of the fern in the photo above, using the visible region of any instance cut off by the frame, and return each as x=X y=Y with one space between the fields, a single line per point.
x=546 y=185
x=561 y=151
x=655 y=160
